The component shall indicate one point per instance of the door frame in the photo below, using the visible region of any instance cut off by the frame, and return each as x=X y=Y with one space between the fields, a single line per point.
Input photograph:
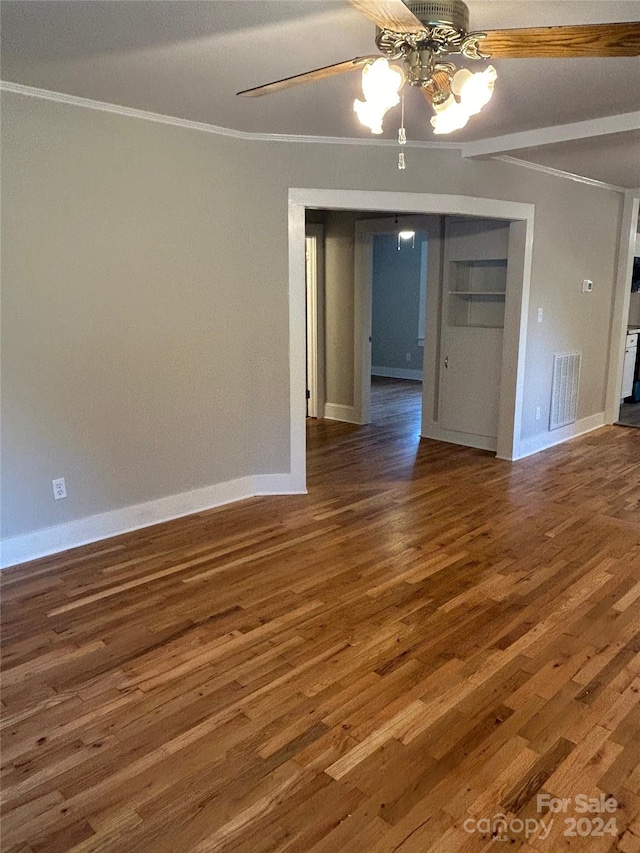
x=314 y=256
x=365 y=231
x=363 y=287
x=621 y=298
x=516 y=310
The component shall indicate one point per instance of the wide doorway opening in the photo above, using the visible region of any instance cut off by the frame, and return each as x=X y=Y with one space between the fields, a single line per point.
x=488 y=292
x=407 y=306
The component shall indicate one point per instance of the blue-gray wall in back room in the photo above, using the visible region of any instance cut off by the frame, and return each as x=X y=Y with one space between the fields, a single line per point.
x=396 y=303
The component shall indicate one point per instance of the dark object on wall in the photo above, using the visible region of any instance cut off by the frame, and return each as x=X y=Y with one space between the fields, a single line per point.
x=635 y=276
x=635 y=393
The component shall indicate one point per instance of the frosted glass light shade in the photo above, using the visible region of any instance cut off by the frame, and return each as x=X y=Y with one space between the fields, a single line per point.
x=381 y=82
x=370 y=115
x=380 y=85
x=450 y=116
x=474 y=90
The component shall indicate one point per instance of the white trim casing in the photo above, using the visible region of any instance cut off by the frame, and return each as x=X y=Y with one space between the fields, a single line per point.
x=512 y=372
x=83 y=531
x=297 y=348
x=620 y=308
x=512 y=381
x=314 y=241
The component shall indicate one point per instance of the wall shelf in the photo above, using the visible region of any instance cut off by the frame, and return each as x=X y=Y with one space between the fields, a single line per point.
x=477 y=293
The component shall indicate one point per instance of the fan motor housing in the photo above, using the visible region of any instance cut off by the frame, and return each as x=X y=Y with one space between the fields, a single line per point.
x=446 y=31
x=441 y=13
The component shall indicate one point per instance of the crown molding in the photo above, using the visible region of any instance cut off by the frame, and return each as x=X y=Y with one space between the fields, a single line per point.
x=558 y=173
x=131 y=112
x=495 y=145
x=468 y=150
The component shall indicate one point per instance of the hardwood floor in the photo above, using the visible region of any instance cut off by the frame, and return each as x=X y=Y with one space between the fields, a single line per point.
x=430 y=638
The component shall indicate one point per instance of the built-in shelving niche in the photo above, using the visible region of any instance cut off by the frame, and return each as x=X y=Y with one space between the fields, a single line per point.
x=477 y=293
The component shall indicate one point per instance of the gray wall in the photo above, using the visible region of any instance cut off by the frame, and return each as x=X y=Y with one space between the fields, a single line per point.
x=338 y=296
x=396 y=302
x=145 y=307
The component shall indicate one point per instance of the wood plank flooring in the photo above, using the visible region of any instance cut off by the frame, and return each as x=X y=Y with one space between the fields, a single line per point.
x=430 y=638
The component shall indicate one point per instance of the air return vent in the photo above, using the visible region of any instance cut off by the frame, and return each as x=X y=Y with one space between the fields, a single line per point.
x=564 y=392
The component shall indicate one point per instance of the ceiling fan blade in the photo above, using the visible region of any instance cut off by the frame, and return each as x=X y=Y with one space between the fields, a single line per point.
x=309 y=76
x=582 y=40
x=389 y=15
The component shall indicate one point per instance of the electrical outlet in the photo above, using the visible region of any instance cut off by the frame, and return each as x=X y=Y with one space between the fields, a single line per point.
x=587 y=285
x=540 y=315
x=59 y=489
x=538 y=413
x=408 y=356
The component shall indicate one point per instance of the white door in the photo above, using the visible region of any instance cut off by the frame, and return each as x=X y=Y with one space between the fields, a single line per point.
x=472 y=327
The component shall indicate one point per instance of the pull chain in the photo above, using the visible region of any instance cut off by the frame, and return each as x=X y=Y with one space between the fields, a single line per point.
x=402 y=138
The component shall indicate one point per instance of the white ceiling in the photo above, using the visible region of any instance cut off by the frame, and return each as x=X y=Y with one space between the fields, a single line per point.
x=188 y=58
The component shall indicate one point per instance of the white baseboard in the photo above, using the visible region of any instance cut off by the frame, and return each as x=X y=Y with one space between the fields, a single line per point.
x=536 y=443
x=274 y=484
x=478 y=442
x=338 y=412
x=83 y=531
x=397 y=373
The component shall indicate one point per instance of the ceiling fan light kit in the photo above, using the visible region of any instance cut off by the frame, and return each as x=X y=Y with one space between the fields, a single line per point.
x=442 y=31
x=423 y=34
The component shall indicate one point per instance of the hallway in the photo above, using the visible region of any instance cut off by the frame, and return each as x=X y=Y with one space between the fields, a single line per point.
x=385 y=448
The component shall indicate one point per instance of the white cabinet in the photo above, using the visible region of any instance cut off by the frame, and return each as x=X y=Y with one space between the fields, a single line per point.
x=629 y=370
x=474 y=292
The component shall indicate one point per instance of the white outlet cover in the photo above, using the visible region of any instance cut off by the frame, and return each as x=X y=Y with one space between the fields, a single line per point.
x=59 y=489
x=587 y=285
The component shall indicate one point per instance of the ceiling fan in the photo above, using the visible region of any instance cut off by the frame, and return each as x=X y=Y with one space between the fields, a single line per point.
x=422 y=34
